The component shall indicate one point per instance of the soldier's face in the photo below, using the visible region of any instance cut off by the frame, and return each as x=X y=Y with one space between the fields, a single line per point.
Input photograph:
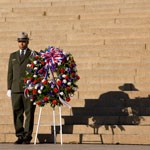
x=23 y=44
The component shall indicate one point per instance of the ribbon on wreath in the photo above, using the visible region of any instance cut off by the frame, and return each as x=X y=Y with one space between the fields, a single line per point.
x=52 y=56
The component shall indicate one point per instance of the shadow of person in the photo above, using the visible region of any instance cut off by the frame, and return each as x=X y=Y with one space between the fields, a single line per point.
x=110 y=106
x=115 y=110
x=128 y=87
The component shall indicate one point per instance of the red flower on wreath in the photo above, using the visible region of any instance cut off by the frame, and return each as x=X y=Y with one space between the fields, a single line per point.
x=68 y=88
x=34 y=91
x=32 y=65
x=35 y=81
x=39 y=102
x=59 y=82
x=67 y=99
x=55 y=90
x=46 y=98
x=62 y=70
x=44 y=81
x=25 y=80
x=67 y=77
x=54 y=101
x=36 y=57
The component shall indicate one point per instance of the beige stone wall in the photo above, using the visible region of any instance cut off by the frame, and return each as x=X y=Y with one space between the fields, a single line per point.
x=110 y=43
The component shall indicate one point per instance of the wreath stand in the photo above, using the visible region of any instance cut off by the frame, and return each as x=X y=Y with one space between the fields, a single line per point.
x=54 y=124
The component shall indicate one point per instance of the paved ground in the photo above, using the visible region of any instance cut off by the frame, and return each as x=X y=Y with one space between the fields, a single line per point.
x=73 y=147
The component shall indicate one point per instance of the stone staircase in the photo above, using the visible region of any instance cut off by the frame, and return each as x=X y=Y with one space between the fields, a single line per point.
x=110 y=43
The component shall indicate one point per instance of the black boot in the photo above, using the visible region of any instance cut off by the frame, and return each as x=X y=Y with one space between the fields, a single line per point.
x=27 y=140
x=19 y=141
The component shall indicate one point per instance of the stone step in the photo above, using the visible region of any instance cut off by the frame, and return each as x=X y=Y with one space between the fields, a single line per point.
x=103 y=33
x=14 y=26
x=114 y=111
x=72 y=25
x=106 y=120
x=71 y=1
x=84 y=129
x=121 y=19
x=47 y=119
x=109 y=8
x=110 y=32
x=92 y=34
x=135 y=10
x=66 y=43
x=69 y=45
x=2 y=19
x=110 y=4
x=58 y=10
x=41 y=18
x=5 y=10
x=127 y=41
x=9 y=1
x=114 y=103
x=105 y=139
x=96 y=15
x=85 y=138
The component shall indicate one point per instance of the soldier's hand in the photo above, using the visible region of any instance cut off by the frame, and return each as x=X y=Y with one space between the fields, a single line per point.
x=9 y=93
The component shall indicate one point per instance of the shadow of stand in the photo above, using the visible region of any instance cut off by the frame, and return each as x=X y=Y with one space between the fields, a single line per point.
x=45 y=138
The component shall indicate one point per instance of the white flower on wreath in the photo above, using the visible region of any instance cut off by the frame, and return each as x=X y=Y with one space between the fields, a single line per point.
x=36 y=86
x=28 y=81
x=64 y=81
x=59 y=63
x=66 y=69
x=35 y=62
x=43 y=80
x=69 y=83
x=63 y=75
x=34 y=75
x=35 y=68
x=30 y=87
x=29 y=65
x=42 y=87
x=31 y=99
x=67 y=58
x=61 y=93
x=39 y=91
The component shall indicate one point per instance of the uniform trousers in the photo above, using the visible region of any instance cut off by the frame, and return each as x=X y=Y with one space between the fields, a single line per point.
x=23 y=114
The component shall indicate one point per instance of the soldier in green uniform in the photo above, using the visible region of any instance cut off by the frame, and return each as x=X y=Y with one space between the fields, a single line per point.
x=16 y=71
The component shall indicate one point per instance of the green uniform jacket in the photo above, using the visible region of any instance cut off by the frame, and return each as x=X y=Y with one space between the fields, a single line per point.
x=16 y=71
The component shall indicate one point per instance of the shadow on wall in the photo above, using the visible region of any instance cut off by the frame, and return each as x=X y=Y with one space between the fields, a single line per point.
x=117 y=109
x=111 y=111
